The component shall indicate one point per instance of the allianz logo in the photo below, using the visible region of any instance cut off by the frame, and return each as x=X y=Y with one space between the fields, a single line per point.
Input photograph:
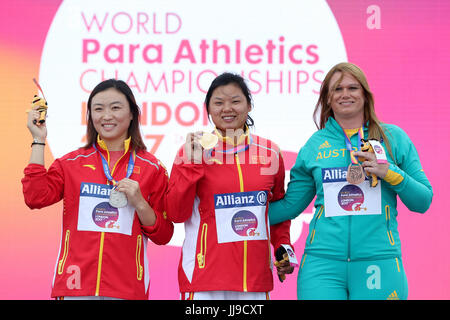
x=91 y=189
x=241 y=198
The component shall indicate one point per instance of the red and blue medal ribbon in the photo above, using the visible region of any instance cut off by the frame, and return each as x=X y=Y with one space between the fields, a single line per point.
x=238 y=149
x=349 y=146
x=108 y=172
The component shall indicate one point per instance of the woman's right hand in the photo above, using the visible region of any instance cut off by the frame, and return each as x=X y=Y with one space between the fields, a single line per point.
x=37 y=130
x=192 y=148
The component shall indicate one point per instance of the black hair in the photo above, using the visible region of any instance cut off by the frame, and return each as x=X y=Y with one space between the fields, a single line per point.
x=133 y=130
x=225 y=79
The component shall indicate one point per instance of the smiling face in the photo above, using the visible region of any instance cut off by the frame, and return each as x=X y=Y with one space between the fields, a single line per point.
x=111 y=117
x=347 y=98
x=228 y=108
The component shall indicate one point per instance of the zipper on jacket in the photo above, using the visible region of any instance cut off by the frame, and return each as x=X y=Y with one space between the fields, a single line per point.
x=99 y=268
x=388 y=218
x=62 y=261
x=140 y=269
x=303 y=261
x=115 y=165
x=318 y=216
x=201 y=256
x=349 y=238
x=241 y=188
x=102 y=238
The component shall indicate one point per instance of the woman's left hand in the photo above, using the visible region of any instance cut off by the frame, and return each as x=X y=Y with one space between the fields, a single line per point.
x=284 y=267
x=371 y=165
x=132 y=190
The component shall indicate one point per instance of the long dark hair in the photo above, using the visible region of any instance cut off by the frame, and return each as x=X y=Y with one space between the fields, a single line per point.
x=225 y=79
x=133 y=130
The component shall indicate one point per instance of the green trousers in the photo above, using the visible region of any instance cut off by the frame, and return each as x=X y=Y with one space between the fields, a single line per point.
x=327 y=279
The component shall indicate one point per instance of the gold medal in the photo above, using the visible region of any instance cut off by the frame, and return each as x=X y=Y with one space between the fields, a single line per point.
x=355 y=174
x=208 y=140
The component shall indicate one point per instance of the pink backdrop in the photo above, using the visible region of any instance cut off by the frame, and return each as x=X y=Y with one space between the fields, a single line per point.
x=407 y=64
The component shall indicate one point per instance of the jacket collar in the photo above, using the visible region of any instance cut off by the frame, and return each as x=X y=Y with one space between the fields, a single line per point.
x=334 y=126
x=102 y=144
x=229 y=141
x=226 y=145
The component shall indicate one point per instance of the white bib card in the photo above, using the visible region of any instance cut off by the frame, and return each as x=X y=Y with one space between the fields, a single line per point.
x=241 y=216
x=291 y=255
x=378 y=149
x=343 y=199
x=96 y=214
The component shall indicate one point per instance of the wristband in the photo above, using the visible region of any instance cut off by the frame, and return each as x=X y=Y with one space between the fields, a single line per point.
x=35 y=141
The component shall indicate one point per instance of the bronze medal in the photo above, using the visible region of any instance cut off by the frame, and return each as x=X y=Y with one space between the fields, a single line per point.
x=355 y=174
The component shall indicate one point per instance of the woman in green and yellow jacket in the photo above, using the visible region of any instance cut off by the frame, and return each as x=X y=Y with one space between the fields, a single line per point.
x=353 y=248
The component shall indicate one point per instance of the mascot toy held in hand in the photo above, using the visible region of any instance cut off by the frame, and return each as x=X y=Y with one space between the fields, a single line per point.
x=281 y=255
x=38 y=101
x=42 y=105
x=367 y=147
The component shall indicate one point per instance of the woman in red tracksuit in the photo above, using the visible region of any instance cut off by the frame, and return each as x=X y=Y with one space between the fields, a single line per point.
x=220 y=189
x=113 y=193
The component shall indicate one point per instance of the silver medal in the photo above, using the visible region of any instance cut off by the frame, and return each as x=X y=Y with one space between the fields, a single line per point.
x=117 y=199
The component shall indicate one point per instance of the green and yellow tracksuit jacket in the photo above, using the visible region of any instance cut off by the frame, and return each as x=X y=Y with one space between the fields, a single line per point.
x=353 y=237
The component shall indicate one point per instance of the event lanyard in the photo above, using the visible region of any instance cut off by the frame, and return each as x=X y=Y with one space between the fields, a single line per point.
x=238 y=149
x=108 y=172
x=349 y=146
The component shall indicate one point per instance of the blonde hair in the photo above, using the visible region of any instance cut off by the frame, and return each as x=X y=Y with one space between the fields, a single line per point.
x=324 y=111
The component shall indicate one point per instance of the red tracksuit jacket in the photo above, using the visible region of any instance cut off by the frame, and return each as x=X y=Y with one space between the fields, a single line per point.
x=102 y=252
x=223 y=203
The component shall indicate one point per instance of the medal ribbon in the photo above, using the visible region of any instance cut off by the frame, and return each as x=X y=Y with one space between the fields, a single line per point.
x=108 y=172
x=238 y=148
x=349 y=146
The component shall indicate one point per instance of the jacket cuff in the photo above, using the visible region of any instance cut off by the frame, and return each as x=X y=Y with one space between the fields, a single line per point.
x=34 y=168
x=393 y=178
x=396 y=178
x=161 y=232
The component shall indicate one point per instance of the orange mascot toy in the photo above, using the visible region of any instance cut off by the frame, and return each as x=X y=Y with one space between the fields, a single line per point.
x=367 y=147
